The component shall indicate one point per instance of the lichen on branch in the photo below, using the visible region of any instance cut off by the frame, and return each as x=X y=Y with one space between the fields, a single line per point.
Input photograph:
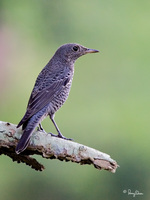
x=50 y=147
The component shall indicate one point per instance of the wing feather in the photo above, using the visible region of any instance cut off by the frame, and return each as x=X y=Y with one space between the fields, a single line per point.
x=39 y=99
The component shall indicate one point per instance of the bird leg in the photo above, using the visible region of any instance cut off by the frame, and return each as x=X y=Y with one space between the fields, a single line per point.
x=58 y=131
x=40 y=128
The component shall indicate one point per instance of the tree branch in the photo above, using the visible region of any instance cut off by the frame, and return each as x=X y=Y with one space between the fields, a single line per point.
x=50 y=147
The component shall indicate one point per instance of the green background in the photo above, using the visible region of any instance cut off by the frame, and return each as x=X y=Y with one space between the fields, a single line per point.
x=109 y=104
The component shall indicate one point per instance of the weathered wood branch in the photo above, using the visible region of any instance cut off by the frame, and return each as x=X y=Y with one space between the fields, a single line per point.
x=50 y=147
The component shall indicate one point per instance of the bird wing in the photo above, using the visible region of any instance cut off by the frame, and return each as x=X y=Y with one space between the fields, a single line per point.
x=39 y=99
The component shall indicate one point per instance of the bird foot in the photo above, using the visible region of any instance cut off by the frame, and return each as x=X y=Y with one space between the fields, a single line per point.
x=60 y=136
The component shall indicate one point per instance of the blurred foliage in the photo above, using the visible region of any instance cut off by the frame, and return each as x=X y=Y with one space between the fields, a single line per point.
x=108 y=107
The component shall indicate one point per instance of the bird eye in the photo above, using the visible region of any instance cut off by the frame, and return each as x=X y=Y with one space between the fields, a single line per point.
x=75 y=48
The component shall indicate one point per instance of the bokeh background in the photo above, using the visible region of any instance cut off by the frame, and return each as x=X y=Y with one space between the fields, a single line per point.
x=109 y=104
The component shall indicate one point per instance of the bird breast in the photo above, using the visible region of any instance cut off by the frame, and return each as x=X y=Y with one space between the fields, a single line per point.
x=60 y=99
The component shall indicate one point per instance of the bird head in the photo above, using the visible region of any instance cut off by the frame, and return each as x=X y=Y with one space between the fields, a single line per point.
x=71 y=52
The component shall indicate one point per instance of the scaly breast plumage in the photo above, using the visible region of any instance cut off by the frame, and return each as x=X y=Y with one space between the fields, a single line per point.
x=60 y=99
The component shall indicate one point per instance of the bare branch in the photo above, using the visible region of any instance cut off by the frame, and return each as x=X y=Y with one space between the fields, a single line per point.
x=47 y=146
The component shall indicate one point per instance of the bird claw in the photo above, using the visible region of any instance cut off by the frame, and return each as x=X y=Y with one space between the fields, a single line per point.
x=60 y=136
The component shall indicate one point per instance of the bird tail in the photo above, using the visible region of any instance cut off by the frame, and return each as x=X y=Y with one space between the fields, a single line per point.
x=24 y=141
x=28 y=130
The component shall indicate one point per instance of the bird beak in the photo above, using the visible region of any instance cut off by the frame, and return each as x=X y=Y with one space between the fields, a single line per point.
x=91 y=51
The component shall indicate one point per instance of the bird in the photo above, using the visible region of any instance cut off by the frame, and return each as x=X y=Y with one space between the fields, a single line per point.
x=50 y=91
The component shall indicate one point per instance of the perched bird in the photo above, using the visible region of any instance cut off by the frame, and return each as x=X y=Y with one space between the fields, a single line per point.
x=50 y=91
